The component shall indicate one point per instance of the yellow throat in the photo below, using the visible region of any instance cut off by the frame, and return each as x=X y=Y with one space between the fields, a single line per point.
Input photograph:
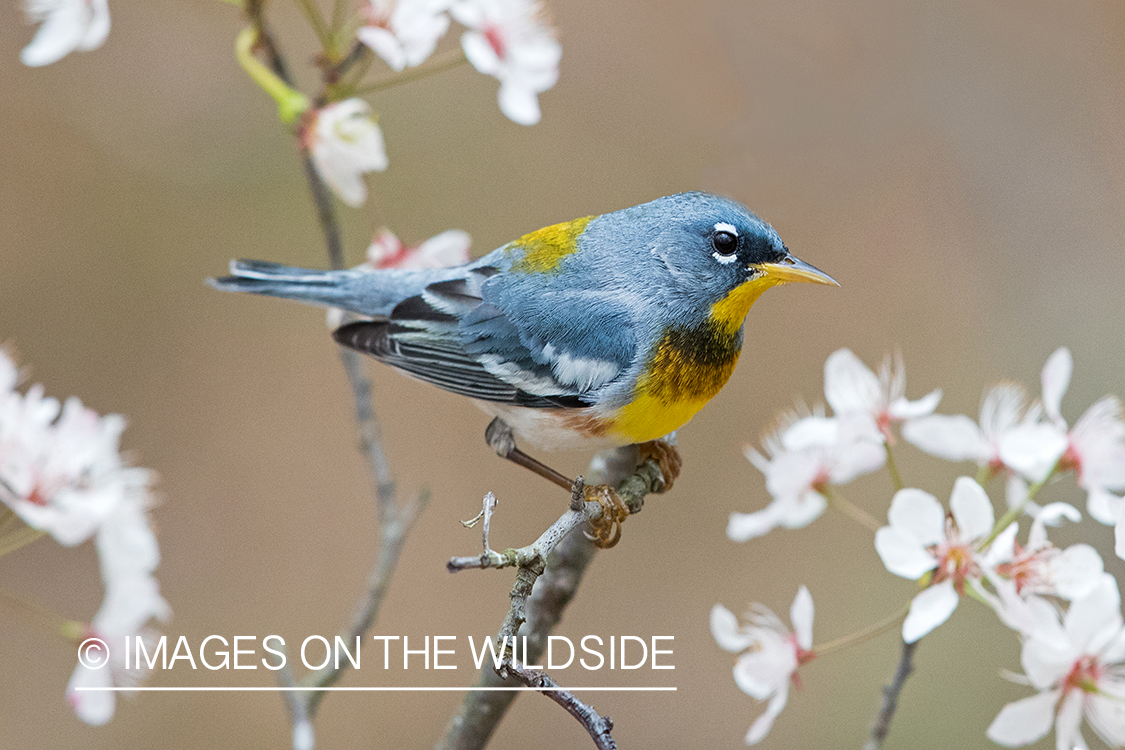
x=688 y=367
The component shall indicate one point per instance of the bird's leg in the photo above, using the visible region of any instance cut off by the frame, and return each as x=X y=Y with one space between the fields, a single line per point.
x=606 y=530
x=500 y=439
x=666 y=456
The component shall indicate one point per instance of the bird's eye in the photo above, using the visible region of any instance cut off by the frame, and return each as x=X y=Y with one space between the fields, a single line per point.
x=725 y=243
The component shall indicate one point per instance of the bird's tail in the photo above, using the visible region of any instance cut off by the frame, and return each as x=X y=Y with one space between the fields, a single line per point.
x=359 y=291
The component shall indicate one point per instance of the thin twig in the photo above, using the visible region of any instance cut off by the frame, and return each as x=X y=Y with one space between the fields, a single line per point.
x=851 y=510
x=481 y=712
x=598 y=726
x=395 y=520
x=892 y=467
x=450 y=61
x=890 y=697
x=631 y=493
x=316 y=20
x=392 y=540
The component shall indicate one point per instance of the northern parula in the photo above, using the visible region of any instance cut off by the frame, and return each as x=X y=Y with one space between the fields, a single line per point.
x=602 y=331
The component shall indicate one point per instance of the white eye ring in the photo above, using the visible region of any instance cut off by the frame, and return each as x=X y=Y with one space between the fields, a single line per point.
x=723 y=228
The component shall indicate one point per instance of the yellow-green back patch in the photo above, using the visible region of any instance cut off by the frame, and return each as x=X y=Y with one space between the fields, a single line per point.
x=545 y=248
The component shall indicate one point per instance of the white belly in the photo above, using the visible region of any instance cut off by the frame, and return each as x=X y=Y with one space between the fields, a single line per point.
x=551 y=429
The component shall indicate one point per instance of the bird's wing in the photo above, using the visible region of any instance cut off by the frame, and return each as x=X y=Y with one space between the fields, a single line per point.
x=555 y=351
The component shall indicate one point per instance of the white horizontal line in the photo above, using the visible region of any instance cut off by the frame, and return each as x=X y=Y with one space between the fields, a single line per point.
x=380 y=689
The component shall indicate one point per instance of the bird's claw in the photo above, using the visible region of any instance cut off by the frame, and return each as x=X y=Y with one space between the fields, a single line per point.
x=606 y=529
x=667 y=458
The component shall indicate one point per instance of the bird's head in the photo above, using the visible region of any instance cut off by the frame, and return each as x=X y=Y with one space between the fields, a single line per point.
x=721 y=257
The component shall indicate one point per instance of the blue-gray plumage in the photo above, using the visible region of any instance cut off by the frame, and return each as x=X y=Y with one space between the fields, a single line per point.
x=571 y=321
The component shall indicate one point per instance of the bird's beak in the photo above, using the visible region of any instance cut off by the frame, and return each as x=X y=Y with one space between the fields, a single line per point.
x=791 y=269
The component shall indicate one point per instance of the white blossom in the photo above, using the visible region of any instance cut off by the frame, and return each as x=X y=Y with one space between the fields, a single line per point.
x=1041 y=568
x=1076 y=664
x=130 y=602
x=509 y=40
x=68 y=25
x=877 y=401
x=345 y=143
x=957 y=438
x=1094 y=448
x=450 y=248
x=404 y=32
x=921 y=539
x=61 y=469
x=804 y=457
x=770 y=654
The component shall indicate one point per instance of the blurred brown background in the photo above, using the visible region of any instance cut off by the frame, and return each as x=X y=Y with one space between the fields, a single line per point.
x=958 y=166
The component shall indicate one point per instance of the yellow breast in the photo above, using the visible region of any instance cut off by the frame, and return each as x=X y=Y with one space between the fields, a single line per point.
x=688 y=368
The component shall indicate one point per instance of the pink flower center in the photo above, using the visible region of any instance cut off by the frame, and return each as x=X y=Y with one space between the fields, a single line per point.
x=803 y=657
x=821 y=481
x=1026 y=570
x=396 y=258
x=883 y=422
x=1084 y=675
x=495 y=40
x=1071 y=461
x=956 y=560
x=38 y=496
x=996 y=466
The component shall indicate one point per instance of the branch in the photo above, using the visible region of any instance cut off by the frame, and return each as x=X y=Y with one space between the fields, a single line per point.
x=597 y=725
x=395 y=520
x=392 y=539
x=631 y=491
x=481 y=711
x=890 y=697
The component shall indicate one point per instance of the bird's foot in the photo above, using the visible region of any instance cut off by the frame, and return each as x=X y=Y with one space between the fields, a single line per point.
x=666 y=456
x=606 y=529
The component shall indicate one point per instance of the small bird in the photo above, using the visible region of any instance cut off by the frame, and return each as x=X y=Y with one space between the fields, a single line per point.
x=603 y=331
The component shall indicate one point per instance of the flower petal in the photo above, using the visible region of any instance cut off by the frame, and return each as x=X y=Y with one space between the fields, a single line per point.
x=954 y=438
x=98 y=28
x=61 y=33
x=856 y=459
x=1056 y=379
x=1089 y=618
x=95 y=707
x=919 y=514
x=972 y=510
x=1076 y=571
x=744 y=526
x=385 y=45
x=1024 y=721
x=1119 y=536
x=1068 y=723
x=726 y=632
x=903 y=408
x=799 y=513
x=766 y=671
x=849 y=386
x=1050 y=515
x=811 y=432
x=1033 y=449
x=762 y=725
x=1104 y=506
x=1105 y=712
x=520 y=104
x=930 y=608
x=1002 y=547
x=902 y=554
x=801 y=615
